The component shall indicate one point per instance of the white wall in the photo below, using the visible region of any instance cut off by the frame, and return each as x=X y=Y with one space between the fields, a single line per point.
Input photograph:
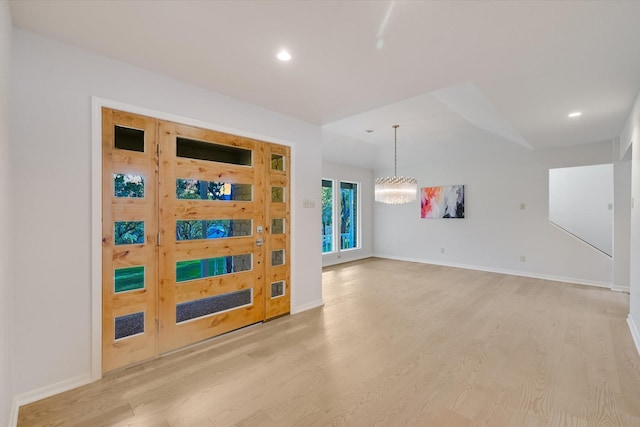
x=339 y=173
x=622 y=222
x=581 y=202
x=498 y=177
x=6 y=380
x=631 y=137
x=51 y=159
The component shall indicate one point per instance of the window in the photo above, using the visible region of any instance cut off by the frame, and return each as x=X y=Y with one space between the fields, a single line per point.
x=348 y=215
x=327 y=216
x=340 y=216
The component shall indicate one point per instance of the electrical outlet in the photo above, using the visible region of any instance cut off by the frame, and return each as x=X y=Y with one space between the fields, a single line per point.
x=522 y=258
x=522 y=206
x=441 y=250
x=610 y=206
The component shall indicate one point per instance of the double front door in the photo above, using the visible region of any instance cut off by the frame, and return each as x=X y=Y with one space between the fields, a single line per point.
x=195 y=235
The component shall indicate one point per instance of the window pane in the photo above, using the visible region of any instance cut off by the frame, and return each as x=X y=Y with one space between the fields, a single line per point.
x=277 y=162
x=211 y=305
x=327 y=216
x=130 y=324
x=129 y=139
x=128 y=185
x=128 y=279
x=277 y=289
x=277 y=226
x=277 y=257
x=212 y=228
x=201 y=268
x=348 y=215
x=128 y=232
x=277 y=194
x=209 y=190
x=213 y=152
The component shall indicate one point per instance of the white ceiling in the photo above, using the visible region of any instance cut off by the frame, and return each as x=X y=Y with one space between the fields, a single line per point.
x=513 y=69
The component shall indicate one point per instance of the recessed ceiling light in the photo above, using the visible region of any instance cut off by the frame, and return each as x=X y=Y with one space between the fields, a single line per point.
x=284 y=56
x=369 y=130
x=575 y=114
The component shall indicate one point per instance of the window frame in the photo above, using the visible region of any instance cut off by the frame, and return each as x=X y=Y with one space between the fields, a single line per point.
x=336 y=201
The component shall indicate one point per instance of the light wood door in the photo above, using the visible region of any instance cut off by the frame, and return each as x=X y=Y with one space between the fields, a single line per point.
x=195 y=235
x=129 y=238
x=212 y=192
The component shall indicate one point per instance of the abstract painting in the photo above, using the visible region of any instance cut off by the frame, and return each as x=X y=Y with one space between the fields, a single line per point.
x=442 y=202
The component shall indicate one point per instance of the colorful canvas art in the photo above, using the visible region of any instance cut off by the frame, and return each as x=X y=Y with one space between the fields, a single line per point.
x=442 y=202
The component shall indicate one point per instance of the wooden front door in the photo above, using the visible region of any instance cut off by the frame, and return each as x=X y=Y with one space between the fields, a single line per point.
x=216 y=236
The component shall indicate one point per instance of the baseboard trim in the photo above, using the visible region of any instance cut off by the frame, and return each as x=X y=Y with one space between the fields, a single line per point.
x=624 y=289
x=308 y=306
x=332 y=258
x=634 y=332
x=502 y=271
x=13 y=416
x=50 y=390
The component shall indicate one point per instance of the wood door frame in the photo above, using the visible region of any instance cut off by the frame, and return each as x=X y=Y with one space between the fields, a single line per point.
x=96 y=205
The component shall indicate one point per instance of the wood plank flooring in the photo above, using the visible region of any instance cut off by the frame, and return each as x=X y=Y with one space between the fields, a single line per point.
x=396 y=344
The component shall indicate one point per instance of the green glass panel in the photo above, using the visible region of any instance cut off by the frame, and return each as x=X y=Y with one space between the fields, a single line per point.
x=201 y=268
x=129 y=279
x=277 y=226
x=128 y=232
x=277 y=194
x=193 y=189
x=277 y=162
x=125 y=185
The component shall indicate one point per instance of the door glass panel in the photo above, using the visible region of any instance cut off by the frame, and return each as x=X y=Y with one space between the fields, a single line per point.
x=201 y=268
x=212 y=152
x=277 y=194
x=125 y=185
x=212 y=228
x=211 y=305
x=277 y=162
x=128 y=232
x=277 y=257
x=129 y=139
x=130 y=324
x=129 y=279
x=277 y=289
x=193 y=189
x=277 y=226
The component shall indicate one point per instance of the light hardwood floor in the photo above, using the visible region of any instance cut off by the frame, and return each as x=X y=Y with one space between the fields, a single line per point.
x=396 y=343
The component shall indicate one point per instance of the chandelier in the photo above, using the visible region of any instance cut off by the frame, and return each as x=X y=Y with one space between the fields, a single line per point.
x=395 y=190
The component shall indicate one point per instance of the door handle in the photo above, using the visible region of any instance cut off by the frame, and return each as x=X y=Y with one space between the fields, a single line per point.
x=259 y=242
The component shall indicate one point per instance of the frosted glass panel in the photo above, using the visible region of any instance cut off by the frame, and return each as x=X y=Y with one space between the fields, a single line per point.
x=130 y=324
x=277 y=257
x=211 y=305
x=277 y=289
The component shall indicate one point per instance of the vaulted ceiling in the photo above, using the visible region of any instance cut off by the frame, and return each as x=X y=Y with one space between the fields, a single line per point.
x=513 y=69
